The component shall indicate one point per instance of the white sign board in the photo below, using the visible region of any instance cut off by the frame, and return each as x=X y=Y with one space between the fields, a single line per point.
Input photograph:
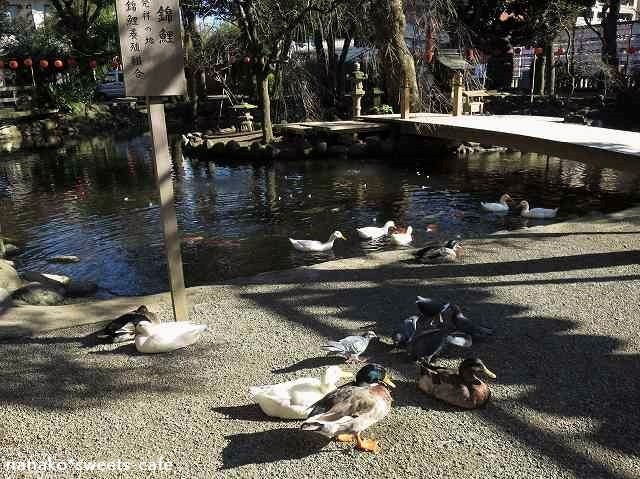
x=151 y=47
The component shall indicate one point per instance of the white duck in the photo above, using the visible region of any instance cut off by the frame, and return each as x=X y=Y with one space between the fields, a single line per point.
x=402 y=239
x=292 y=399
x=166 y=337
x=317 y=246
x=536 y=212
x=373 y=232
x=500 y=207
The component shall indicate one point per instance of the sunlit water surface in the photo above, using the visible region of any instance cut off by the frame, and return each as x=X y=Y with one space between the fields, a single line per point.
x=97 y=200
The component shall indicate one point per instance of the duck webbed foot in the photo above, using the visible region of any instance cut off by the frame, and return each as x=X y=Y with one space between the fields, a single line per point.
x=367 y=445
x=345 y=437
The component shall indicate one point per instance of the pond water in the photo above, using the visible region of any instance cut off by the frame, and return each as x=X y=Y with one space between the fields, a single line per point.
x=97 y=200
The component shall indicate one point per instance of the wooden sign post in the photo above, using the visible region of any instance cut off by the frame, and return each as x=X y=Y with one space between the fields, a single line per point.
x=153 y=59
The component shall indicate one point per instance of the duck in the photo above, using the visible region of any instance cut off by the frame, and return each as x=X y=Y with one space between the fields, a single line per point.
x=462 y=387
x=500 y=207
x=432 y=310
x=346 y=412
x=402 y=239
x=428 y=344
x=448 y=253
x=123 y=328
x=373 y=232
x=165 y=337
x=536 y=212
x=316 y=246
x=351 y=347
x=462 y=323
x=405 y=332
x=293 y=399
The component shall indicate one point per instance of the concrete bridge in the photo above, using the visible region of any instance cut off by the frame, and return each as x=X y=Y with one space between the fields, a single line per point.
x=602 y=147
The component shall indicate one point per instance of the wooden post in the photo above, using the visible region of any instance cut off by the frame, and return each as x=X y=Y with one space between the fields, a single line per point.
x=157 y=125
x=458 y=85
x=405 y=99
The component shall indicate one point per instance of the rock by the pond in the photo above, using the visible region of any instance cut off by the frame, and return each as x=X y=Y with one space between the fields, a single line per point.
x=9 y=278
x=271 y=152
x=64 y=259
x=357 y=149
x=232 y=146
x=321 y=147
x=218 y=148
x=11 y=250
x=56 y=279
x=80 y=288
x=338 y=150
x=39 y=294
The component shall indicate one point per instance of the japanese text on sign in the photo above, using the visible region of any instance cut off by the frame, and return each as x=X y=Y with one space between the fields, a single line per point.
x=151 y=46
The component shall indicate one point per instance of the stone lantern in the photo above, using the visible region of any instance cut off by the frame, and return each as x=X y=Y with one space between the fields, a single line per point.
x=358 y=90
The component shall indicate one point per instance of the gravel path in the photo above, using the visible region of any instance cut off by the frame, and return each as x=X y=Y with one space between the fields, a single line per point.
x=563 y=299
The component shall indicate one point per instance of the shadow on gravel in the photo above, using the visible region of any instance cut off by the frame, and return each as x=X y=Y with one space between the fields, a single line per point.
x=272 y=446
x=246 y=412
x=310 y=363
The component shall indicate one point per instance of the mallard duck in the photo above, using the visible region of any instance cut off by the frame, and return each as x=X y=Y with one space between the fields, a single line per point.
x=351 y=347
x=166 y=337
x=292 y=399
x=316 y=246
x=123 y=328
x=500 y=207
x=536 y=212
x=448 y=253
x=373 y=232
x=352 y=408
x=462 y=323
x=462 y=387
x=402 y=239
x=405 y=333
x=431 y=310
x=428 y=344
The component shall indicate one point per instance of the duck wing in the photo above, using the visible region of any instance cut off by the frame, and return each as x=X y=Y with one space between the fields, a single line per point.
x=346 y=401
x=424 y=250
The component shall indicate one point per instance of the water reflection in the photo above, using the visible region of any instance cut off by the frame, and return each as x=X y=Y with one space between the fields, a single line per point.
x=97 y=200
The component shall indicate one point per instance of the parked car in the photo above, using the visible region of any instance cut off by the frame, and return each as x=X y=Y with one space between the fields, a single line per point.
x=112 y=86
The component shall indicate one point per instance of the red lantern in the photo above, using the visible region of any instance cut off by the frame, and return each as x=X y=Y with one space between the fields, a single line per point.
x=247 y=60
x=1 y=65
x=538 y=50
x=44 y=64
x=58 y=64
x=72 y=62
x=517 y=51
x=28 y=62
x=632 y=50
x=13 y=64
x=560 y=51
x=93 y=64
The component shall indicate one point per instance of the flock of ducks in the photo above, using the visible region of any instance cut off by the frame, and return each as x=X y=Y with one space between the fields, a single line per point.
x=345 y=412
x=401 y=237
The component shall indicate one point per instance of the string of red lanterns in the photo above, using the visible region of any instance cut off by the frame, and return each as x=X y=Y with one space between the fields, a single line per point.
x=44 y=63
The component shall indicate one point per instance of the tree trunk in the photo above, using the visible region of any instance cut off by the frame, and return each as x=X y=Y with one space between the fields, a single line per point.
x=550 y=76
x=321 y=57
x=610 y=27
x=541 y=74
x=397 y=62
x=340 y=73
x=263 y=87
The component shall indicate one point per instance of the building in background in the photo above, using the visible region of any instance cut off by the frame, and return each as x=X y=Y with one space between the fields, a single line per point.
x=629 y=10
x=31 y=12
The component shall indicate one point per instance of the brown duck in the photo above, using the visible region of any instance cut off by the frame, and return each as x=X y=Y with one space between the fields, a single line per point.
x=462 y=388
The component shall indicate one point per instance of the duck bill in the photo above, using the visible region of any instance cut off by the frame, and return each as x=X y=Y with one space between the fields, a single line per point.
x=388 y=382
x=489 y=373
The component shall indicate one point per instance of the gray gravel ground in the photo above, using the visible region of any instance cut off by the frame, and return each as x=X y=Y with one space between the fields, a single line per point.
x=562 y=298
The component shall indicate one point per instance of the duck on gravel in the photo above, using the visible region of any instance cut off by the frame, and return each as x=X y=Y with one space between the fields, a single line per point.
x=345 y=413
x=402 y=239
